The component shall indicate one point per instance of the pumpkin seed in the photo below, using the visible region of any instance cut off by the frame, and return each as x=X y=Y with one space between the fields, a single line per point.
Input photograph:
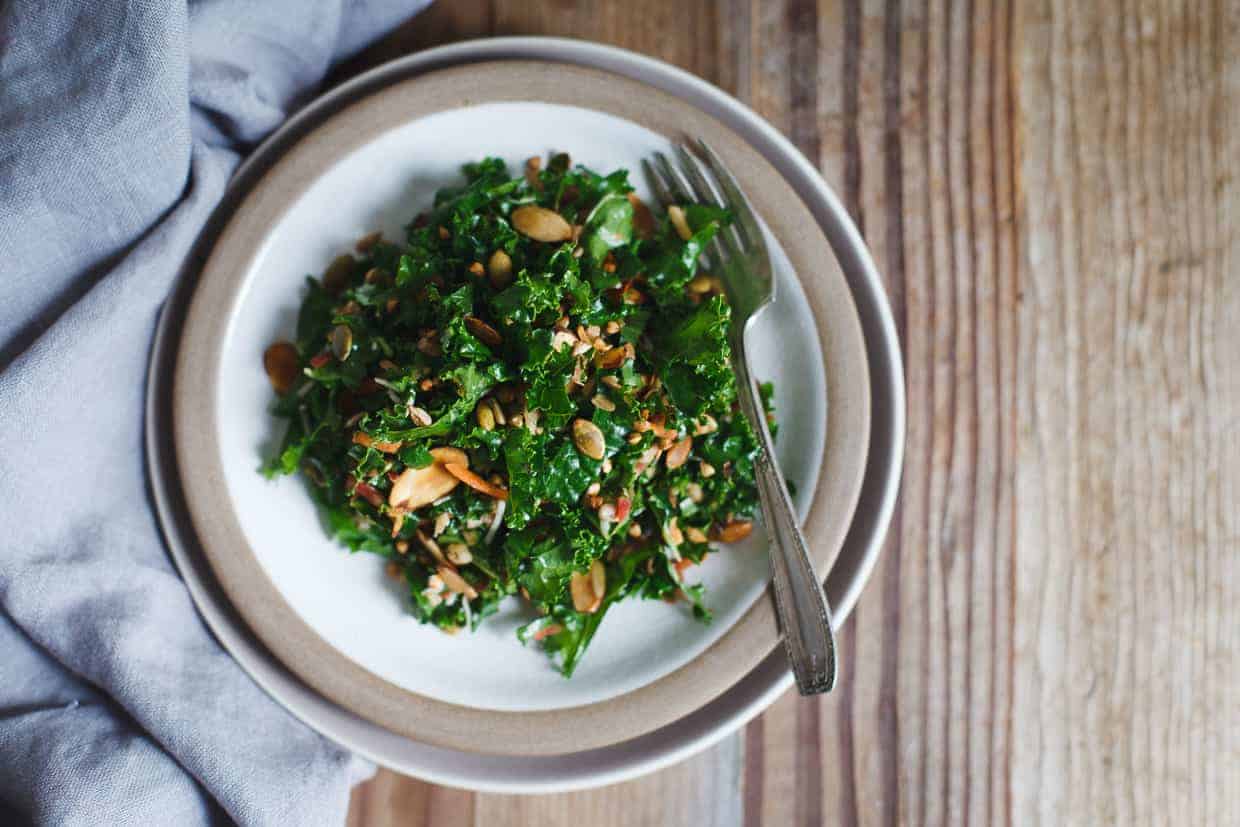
x=485 y=416
x=336 y=276
x=603 y=403
x=367 y=241
x=499 y=269
x=485 y=333
x=588 y=438
x=342 y=342
x=541 y=224
x=282 y=365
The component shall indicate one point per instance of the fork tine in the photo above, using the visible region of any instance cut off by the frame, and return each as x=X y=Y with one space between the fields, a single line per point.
x=675 y=183
x=746 y=223
x=660 y=187
x=731 y=242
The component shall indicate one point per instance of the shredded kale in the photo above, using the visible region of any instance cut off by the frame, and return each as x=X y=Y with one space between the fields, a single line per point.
x=585 y=376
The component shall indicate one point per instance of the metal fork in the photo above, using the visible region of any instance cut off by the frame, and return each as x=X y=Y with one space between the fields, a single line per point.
x=739 y=255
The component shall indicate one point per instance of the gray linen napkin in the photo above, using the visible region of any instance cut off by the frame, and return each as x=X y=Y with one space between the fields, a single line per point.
x=120 y=124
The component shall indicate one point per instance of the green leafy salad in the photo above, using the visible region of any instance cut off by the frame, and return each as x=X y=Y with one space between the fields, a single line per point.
x=531 y=395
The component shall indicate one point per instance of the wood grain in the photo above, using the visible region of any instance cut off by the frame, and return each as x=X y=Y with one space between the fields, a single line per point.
x=1053 y=633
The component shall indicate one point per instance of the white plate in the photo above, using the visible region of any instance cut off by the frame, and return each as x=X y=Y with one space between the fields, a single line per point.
x=763 y=684
x=346 y=598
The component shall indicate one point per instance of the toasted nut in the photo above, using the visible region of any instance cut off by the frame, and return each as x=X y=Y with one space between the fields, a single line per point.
x=612 y=328
x=476 y=482
x=342 y=342
x=485 y=416
x=441 y=522
x=707 y=470
x=594 y=488
x=582 y=348
x=695 y=492
x=484 y=332
x=611 y=381
x=336 y=276
x=419 y=416
x=598 y=579
x=633 y=438
x=459 y=554
x=367 y=241
x=541 y=224
x=610 y=359
x=733 y=531
x=672 y=535
x=603 y=403
x=499 y=269
x=702 y=284
x=643 y=219
x=431 y=546
x=547 y=631
x=581 y=586
x=695 y=535
x=679 y=222
x=368 y=493
x=282 y=365
x=456 y=583
x=588 y=438
x=706 y=424
x=635 y=530
x=562 y=339
x=532 y=166
x=398 y=522
x=496 y=411
x=402 y=546
x=679 y=453
x=477 y=269
x=416 y=487
x=365 y=440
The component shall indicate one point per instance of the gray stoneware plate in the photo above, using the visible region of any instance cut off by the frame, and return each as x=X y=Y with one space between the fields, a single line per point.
x=326 y=615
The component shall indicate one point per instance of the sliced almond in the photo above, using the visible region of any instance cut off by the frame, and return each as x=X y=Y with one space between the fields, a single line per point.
x=476 y=482
x=416 y=487
x=601 y=402
x=732 y=532
x=366 y=441
x=581 y=587
x=398 y=522
x=484 y=332
x=456 y=583
x=679 y=453
x=695 y=535
x=588 y=438
x=459 y=554
x=282 y=365
x=431 y=546
x=541 y=224
x=598 y=579
x=679 y=222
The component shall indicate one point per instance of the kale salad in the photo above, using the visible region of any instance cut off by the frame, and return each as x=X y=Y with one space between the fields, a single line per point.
x=529 y=396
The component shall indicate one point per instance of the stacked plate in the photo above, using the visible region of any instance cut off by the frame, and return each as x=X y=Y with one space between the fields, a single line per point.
x=319 y=629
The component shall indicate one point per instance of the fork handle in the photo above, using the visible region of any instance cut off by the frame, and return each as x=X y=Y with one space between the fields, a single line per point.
x=800 y=601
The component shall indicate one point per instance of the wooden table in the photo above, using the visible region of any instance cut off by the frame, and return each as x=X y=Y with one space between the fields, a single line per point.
x=1052 y=191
